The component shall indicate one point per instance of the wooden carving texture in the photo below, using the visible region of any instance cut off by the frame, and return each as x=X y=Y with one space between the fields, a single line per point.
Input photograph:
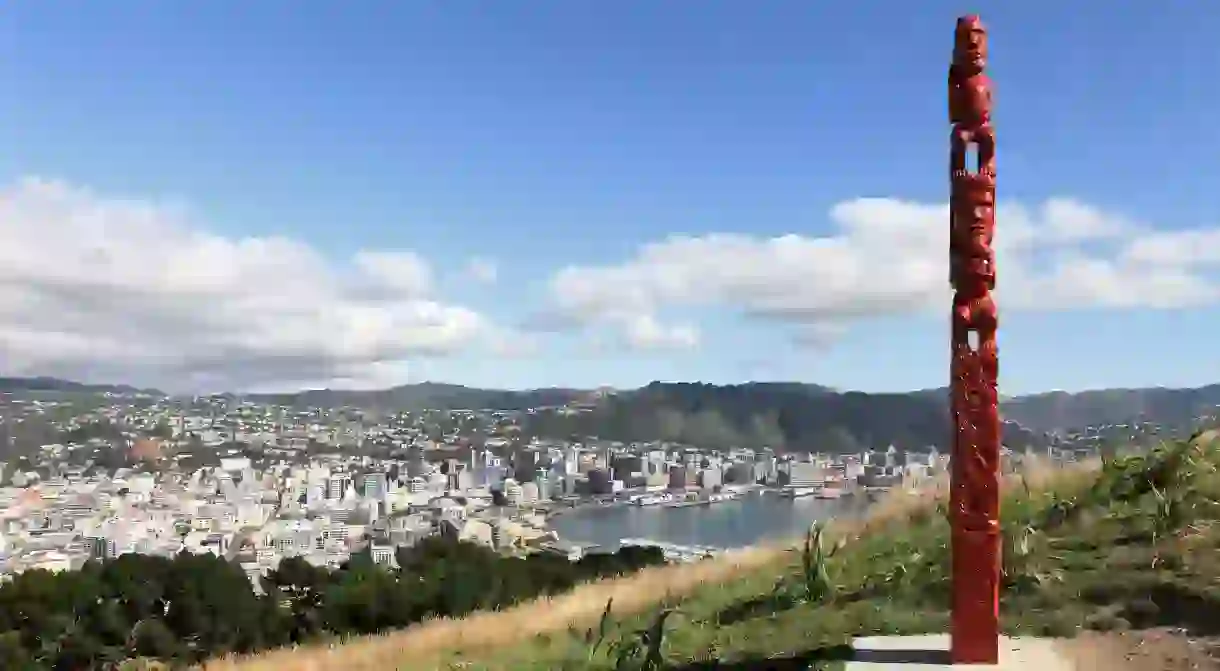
x=974 y=501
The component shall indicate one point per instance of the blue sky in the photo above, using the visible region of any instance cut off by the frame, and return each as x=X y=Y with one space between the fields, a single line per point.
x=538 y=136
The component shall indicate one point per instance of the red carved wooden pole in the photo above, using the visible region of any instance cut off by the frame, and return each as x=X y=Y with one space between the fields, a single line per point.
x=974 y=500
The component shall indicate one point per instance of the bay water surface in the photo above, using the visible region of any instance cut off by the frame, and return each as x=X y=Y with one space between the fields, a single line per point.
x=753 y=518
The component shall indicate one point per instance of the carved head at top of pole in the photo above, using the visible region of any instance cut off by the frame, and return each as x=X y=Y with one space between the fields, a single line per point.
x=970 y=45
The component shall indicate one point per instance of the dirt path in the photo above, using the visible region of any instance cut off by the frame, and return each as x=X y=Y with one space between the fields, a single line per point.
x=1141 y=651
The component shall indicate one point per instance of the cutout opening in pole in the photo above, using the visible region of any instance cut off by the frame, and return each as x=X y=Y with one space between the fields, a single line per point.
x=972 y=158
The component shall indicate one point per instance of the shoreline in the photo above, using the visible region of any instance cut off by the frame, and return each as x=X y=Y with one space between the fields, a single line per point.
x=851 y=504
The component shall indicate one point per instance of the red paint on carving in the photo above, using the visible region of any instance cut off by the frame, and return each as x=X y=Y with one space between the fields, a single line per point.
x=974 y=501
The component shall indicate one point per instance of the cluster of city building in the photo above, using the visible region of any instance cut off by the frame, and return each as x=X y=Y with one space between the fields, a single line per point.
x=325 y=504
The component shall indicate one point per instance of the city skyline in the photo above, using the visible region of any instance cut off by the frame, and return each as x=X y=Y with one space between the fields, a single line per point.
x=282 y=197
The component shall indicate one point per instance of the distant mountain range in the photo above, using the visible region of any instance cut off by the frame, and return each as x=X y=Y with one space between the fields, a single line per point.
x=1038 y=412
x=434 y=395
x=800 y=412
x=52 y=384
x=1058 y=409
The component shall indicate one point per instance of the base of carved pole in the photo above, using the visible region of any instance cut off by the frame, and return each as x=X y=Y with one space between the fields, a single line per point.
x=976 y=597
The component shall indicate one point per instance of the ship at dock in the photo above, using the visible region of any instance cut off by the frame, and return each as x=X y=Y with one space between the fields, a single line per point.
x=814 y=479
x=684 y=500
x=652 y=499
x=698 y=499
x=815 y=491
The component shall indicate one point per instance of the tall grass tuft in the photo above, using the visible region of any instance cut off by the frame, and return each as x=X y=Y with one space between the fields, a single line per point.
x=816 y=581
x=643 y=649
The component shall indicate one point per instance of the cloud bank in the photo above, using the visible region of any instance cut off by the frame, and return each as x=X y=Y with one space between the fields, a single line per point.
x=101 y=288
x=886 y=257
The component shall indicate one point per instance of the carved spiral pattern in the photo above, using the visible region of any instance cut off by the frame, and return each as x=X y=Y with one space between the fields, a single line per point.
x=974 y=501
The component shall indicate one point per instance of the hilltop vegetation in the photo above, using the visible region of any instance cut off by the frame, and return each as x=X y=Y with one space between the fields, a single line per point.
x=193 y=607
x=1128 y=545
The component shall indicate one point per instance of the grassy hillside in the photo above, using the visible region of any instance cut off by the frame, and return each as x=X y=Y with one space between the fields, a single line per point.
x=1126 y=545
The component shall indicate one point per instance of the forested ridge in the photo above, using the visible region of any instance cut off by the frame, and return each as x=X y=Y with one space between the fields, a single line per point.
x=780 y=416
x=799 y=417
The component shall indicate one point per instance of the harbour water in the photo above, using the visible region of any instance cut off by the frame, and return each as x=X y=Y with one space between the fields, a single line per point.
x=745 y=521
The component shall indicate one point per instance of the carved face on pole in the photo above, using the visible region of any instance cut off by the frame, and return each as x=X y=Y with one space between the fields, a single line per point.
x=977 y=439
x=971 y=43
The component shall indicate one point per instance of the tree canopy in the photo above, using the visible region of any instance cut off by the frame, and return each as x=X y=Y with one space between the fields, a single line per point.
x=192 y=607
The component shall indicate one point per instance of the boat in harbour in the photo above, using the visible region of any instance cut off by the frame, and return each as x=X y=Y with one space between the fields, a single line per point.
x=696 y=499
x=653 y=500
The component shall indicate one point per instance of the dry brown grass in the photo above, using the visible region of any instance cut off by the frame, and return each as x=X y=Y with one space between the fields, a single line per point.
x=582 y=606
x=897 y=507
x=424 y=645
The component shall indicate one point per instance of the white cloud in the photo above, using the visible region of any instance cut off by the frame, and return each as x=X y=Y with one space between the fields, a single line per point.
x=482 y=270
x=1172 y=248
x=100 y=288
x=1065 y=220
x=644 y=332
x=122 y=290
x=890 y=256
x=399 y=272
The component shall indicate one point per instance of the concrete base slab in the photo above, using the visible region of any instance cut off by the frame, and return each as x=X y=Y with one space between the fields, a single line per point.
x=925 y=653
